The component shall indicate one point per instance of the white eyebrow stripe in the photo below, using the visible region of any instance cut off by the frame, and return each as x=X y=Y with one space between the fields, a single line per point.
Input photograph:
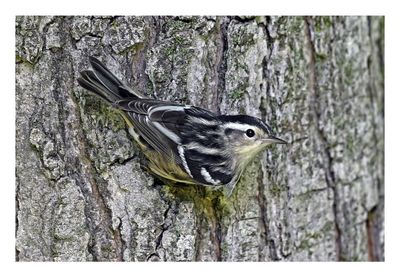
x=208 y=177
x=238 y=126
x=183 y=159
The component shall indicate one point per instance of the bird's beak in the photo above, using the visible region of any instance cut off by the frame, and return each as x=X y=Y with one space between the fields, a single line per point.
x=274 y=140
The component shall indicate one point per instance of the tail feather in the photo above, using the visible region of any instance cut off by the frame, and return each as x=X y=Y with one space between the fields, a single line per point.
x=103 y=83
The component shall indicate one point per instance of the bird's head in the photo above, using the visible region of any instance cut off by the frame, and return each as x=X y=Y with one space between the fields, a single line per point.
x=247 y=135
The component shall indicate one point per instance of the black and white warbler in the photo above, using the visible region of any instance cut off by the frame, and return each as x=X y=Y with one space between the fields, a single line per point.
x=183 y=143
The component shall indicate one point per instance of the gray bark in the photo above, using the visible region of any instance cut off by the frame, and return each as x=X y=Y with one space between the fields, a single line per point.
x=81 y=194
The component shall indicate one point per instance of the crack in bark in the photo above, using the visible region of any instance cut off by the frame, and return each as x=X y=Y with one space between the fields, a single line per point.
x=262 y=201
x=209 y=214
x=244 y=19
x=44 y=39
x=313 y=102
x=86 y=170
x=221 y=63
x=380 y=47
x=374 y=252
x=139 y=63
x=270 y=39
x=164 y=227
x=198 y=239
x=217 y=232
x=17 y=205
x=123 y=162
x=59 y=99
x=120 y=244
x=93 y=197
x=371 y=235
x=264 y=235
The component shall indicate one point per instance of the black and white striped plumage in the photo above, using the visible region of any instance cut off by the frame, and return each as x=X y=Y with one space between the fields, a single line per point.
x=183 y=143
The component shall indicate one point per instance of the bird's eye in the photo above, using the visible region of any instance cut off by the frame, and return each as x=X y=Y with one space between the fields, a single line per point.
x=250 y=133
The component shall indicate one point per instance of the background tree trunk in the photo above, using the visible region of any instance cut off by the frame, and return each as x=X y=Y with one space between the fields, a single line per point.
x=81 y=194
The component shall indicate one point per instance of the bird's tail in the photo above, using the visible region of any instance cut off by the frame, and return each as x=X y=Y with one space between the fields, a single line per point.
x=103 y=83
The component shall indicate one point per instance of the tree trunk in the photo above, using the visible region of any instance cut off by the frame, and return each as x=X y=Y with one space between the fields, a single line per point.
x=81 y=194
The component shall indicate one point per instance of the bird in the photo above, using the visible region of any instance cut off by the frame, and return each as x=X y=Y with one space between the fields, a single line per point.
x=183 y=143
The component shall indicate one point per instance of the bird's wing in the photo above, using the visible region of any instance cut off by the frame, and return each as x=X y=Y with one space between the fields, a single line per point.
x=159 y=123
x=169 y=127
x=200 y=142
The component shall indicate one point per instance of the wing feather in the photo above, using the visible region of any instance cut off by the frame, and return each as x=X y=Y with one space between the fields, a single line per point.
x=152 y=136
x=162 y=124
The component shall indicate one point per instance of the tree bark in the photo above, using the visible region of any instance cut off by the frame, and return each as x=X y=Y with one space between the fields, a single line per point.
x=81 y=194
